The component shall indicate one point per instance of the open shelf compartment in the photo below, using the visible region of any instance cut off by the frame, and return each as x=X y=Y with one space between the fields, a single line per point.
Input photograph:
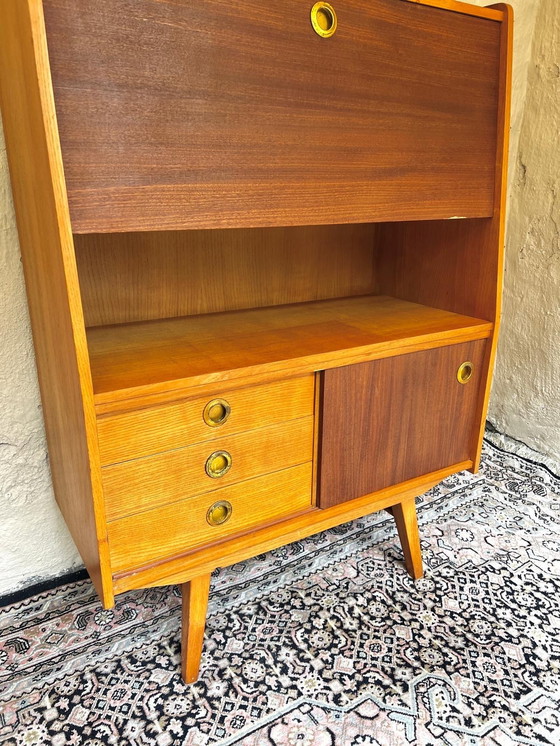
x=135 y=359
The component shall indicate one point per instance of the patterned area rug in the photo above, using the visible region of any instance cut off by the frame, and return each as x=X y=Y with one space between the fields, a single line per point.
x=326 y=642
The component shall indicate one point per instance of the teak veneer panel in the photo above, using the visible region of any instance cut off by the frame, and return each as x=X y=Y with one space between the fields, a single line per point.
x=149 y=430
x=451 y=264
x=388 y=421
x=139 y=276
x=145 y=483
x=209 y=114
x=135 y=359
x=168 y=530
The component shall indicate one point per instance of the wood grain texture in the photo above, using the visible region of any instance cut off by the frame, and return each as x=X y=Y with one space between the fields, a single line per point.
x=449 y=264
x=316 y=438
x=496 y=236
x=139 y=276
x=168 y=122
x=458 y=265
x=149 y=482
x=142 y=432
x=133 y=360
x=392 y=420
x=455 y=6
x=193 y=621
x=190 y=564
x=404 y=514
x=161 y=533
x=52 y=282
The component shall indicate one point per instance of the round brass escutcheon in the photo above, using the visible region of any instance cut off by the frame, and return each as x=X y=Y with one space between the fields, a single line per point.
x=218 y=464
x=465 y=372
x=216 y=412
x=323 y=19
x=219 y=513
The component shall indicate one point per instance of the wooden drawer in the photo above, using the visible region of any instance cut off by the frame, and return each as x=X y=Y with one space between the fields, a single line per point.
x=222 y=114
x=146 y=483
x=172 y=529
x=156 y=429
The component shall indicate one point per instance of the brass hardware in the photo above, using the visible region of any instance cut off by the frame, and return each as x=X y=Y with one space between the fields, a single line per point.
x=465 y=372
x=219 y=513
x=323 y=19
x=216 y=412
x=218 y=464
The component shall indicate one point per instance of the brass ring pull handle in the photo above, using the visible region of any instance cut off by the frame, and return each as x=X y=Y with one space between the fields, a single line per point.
x=218 y=464
x=219 y=513
x=216 y=412
x=465 y=372
x=323 y=19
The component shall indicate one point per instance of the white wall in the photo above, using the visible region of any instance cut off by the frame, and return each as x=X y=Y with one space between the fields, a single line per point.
x=34 y=543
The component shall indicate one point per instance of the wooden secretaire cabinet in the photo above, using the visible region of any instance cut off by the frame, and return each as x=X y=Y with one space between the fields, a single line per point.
x=263 y=256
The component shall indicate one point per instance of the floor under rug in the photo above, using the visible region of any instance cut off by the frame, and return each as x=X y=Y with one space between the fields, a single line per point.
x=326 y=642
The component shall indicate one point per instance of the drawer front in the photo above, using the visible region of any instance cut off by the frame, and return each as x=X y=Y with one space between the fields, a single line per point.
x=235 y=116
x=148 y=482
x=395 y=419
x=153 y=430
x=172 y=529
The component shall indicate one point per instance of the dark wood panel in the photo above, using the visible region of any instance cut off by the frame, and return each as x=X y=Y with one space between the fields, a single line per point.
x=450 y=264
x=141 y=276
x=390 y=420
x=175 y=114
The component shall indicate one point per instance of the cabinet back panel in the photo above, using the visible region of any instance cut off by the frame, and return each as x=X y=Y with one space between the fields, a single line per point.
x=176 y=114
x=141 y=276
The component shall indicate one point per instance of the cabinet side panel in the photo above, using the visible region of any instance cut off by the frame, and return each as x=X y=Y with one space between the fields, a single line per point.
x=208 y=114
x=500 y=203
x=51 y=280
x=396 y=419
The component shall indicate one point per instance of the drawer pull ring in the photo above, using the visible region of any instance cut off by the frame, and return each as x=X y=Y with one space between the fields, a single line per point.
x=218 y=464
x=219 y=513
x=465 y=372
x=323 y=19
x=216 y=412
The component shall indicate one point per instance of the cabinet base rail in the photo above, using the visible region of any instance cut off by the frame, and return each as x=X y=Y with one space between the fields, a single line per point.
x=196 y=591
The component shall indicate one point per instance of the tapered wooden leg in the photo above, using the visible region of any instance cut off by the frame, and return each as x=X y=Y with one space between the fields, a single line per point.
x=195 y=604
x=405 y=517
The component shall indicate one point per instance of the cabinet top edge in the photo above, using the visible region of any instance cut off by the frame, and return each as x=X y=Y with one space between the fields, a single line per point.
x=457 y=6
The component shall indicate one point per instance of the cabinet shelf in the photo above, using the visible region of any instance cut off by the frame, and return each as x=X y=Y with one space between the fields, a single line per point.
x=144 y=358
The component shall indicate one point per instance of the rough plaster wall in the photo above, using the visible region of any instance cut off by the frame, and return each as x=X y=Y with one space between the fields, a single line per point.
x=525 y=13
x=526 y=395
x=34 y=541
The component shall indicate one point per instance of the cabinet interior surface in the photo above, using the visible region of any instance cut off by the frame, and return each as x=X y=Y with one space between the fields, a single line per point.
x=191 y=305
